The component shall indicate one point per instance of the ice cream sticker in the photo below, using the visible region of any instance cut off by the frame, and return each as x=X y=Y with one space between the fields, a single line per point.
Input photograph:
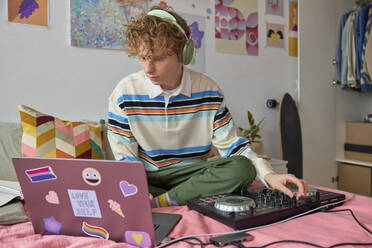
x=91 y=176
x=52 y=225
x=52 y=197
x=139 y=239
x=41 y=174
x=128 y=189
x=94 y=231
x=84 y=203
x=116 y=207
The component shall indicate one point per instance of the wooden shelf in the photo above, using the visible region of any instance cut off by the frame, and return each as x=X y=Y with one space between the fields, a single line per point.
x=355 y=162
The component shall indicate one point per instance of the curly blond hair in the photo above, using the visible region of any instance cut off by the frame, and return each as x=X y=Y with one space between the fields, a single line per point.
x=154 y=33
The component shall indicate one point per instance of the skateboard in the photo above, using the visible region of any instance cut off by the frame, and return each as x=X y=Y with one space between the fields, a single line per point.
x=290 y=135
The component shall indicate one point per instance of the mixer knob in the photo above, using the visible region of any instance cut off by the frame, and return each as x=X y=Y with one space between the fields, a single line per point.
x=317 y=195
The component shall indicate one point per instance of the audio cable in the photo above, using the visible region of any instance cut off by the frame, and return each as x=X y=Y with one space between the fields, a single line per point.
x=172 y=241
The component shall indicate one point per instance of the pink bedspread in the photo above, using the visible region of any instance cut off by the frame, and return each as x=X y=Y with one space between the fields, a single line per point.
x=324 y=229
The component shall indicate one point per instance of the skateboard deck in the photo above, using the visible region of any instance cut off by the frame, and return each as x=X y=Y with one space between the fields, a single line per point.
x=290 y=135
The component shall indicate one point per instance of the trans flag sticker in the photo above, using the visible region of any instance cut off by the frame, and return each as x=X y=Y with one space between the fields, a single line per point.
x=41 y=174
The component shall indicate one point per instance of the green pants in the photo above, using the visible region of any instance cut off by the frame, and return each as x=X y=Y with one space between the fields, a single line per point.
x=219 y=176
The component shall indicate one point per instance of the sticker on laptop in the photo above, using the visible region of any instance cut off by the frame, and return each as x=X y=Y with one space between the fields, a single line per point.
x=139 y=239
x=52 y=225
x=94 y=231
x=115 y=206
x=91 y=176
x=128 y=189
x=41 y=174
x=52 y=197
x=84 y=203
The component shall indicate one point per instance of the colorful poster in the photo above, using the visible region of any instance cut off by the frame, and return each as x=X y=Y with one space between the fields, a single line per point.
x=293 y=15
x=274 y=7
x=183 y=5
x=292 y=46
x=99 y=24
x=275 y=35
x=197 y=26
x=236 y=26
x=28 y=11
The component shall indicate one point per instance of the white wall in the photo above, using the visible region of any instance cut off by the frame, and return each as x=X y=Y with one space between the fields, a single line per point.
x=39 y=68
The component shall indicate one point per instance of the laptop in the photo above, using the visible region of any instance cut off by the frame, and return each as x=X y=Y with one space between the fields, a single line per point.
x=93 y=198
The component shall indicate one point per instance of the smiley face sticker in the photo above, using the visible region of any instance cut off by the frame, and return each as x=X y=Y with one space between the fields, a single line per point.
x=91 y=176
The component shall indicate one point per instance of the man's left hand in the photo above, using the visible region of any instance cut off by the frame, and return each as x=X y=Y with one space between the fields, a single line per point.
x=281 y=181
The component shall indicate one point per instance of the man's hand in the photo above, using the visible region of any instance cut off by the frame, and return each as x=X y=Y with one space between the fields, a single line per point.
x=150 y=197
x=281 y=181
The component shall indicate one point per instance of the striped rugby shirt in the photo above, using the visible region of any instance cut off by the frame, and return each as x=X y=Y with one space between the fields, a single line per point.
x=165 y=129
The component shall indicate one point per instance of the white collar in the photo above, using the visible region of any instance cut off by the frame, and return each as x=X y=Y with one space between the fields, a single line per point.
x=184 y=88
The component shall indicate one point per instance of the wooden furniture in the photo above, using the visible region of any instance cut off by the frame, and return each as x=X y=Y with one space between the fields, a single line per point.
x=355 y=176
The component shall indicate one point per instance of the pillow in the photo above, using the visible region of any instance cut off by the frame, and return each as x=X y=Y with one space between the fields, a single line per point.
x=48 y=136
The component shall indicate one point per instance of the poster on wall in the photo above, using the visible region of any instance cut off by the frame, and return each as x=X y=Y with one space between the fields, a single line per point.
x=183 y=5
x=274 y=7
x=197 y=27
x=236 y=26
x=292 y=46
x=99 y=24
x=293 y=15
x=275 y=35
x=33 y=12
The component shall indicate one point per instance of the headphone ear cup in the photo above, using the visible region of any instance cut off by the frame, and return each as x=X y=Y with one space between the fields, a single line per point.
x=187 y=52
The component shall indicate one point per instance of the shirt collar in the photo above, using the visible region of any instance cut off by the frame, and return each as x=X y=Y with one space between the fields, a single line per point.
x=184 y=88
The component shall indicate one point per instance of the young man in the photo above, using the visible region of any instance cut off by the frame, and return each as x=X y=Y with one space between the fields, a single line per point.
x=170 y=118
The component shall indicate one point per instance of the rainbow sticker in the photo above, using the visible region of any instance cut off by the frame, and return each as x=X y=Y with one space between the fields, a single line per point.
x=41 y=174
x=94 y=231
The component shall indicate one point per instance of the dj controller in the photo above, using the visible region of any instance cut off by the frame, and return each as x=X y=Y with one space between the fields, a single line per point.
x=261 y=206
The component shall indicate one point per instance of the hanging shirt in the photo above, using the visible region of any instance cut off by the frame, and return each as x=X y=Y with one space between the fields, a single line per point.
x=345 y=47
x=366 y=54
x=338 y=57
x=360 y=29
x=351 y=58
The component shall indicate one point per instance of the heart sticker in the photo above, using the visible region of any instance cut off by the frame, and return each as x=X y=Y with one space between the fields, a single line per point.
x=52 y=197
x=137 y=238
x=128 y=189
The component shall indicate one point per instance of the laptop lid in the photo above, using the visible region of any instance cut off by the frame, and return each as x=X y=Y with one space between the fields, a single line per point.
x=163 y=224
x=82 y=197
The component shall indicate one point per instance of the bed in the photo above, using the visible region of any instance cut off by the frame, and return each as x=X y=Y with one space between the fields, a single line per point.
x=321 y=228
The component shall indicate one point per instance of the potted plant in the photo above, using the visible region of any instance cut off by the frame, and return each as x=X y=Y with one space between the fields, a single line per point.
x=252 y=133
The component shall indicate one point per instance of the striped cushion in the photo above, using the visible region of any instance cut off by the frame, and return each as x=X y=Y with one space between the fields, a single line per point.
x=48 y=136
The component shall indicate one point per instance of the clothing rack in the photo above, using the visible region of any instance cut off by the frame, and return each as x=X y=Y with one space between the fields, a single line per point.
x=351 y=67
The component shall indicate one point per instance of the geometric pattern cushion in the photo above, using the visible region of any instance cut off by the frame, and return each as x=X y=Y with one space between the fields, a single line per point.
x=48 y=136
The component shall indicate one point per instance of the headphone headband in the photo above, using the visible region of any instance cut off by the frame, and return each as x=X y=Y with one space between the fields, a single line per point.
x=165 y=15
